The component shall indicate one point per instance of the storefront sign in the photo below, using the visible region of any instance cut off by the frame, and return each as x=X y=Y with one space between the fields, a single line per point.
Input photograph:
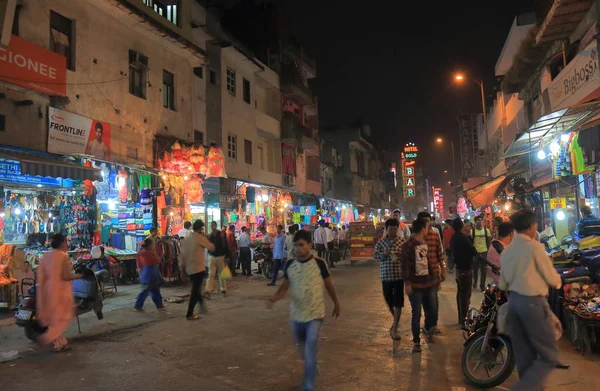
x=408 y=170
x=558 y=203
x=578 y=81
x=32 y=66
x=72 y=133
x=10 y=171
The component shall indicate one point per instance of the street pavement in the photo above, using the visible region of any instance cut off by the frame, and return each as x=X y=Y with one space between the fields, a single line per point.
x=240 y=345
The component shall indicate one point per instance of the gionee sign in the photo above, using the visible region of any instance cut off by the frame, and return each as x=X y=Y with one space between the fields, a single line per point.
x=409 y=155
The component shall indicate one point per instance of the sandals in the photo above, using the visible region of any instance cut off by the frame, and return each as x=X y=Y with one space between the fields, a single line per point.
x=193 y=317
x=393 y=336
x=64 y=348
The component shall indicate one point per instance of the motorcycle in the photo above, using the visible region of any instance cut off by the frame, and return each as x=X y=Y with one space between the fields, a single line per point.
x=485 y=349
x=87 y=295
x=263 y=257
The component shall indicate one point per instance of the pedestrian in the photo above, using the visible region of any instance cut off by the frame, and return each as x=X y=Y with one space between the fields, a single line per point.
x=193 y=262
x=421 y=282
x=482 y=238
x=506 y=233
x=403 y=229
x=266 y=243
x=216 y=261
x=154 y=238
x=343 y=240
x=54 y=294
x=526 y=273
x=307 y=277
x=289 y=243
x=463 y=252
x=245 y=253
x=147 y=263
x=279 y=255
x=185 y=231
x=387 y=252
x=330 y=244
x=447 y=234
x=232 y=247
x=320 y=239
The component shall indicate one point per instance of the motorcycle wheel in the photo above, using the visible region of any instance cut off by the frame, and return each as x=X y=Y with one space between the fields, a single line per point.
x=267 y=268
x=500 y=354
x=33 y=332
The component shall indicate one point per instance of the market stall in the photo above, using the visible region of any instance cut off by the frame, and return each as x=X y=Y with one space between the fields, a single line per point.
x=362 y=241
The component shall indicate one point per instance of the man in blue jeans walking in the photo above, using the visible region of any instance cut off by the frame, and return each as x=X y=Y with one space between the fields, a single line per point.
x=307 y=277
x=278 y=254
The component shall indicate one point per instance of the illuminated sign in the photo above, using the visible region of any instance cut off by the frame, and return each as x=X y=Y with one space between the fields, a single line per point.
x=408 y=170
x=411 y=148
x=410 y=193
x=393 y=170
x=410 y=182
x=410 y=155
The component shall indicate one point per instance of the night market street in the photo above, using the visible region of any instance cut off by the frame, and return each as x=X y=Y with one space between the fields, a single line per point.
x=239 y=345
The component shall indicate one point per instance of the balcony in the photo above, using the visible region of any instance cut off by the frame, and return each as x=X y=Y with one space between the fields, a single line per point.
x=296 y=51
x=559 y=18
x=267 y=124
x=293 y=130
x=294 y=86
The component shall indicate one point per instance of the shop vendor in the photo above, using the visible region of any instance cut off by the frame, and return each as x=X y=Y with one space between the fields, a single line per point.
x=589 y=225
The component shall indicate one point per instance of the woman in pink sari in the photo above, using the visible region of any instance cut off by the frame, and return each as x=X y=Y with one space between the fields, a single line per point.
x=54 y=291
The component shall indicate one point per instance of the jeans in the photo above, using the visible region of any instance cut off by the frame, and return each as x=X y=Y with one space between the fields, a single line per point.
x=450 y=260
x=245 y=260
x=307 y=338
x=464 y=281
x=149 y=289
x=320 y=250
x=196 y=294
x=479 y=267
x=532 y=336
x=215 y=267
x=278 y=264
x=427 y=299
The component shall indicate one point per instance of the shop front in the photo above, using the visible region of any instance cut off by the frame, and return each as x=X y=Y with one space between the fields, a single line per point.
x=338 y=213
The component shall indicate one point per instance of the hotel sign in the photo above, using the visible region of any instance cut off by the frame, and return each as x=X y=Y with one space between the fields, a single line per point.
x=409 y=155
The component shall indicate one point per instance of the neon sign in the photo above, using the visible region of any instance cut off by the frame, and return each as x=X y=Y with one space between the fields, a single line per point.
x=408 y=170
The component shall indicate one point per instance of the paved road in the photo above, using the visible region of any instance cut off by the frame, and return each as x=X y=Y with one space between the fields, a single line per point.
x=240 y=345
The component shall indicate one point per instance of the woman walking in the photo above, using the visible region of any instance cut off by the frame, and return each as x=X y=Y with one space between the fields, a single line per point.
x=148 y=262
x=55 y=303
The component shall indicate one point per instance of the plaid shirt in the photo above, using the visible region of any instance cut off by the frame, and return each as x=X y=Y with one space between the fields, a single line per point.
x=389 y=269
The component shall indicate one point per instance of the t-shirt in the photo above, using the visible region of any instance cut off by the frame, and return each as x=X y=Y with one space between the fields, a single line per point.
x=307 y=287
x=289 y=247
x=184 y=233
x=480 y=237
x=98 y=149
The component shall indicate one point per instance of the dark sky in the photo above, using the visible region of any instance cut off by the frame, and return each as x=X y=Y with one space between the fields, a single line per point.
x=390 y=63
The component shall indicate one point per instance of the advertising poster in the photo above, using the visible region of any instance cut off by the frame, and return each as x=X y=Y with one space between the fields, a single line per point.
x=70 y=133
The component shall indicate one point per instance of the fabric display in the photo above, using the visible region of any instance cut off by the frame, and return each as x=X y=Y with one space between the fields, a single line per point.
x=589 y=141
x=168 y=250
x=578 y=157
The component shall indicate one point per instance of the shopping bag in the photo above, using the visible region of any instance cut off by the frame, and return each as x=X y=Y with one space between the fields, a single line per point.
x=225 y=274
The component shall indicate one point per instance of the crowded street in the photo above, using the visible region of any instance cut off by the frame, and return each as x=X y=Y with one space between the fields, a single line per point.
x=239 y=345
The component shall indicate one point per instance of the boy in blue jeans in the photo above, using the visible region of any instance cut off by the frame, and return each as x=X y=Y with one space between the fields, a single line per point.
x=308 y=278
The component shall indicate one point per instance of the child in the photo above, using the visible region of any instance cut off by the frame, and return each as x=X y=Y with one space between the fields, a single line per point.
x=308 y=278
x=148 y=262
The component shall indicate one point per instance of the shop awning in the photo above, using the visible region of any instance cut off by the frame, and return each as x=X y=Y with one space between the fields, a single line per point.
x=551 y=126
x=48 y=165
x=486 y=193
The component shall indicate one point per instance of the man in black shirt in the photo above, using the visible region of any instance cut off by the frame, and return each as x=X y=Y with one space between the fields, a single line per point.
x=216 y=260
x=463 y=251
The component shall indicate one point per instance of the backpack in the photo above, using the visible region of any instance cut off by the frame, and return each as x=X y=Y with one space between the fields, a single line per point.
x=487 y=236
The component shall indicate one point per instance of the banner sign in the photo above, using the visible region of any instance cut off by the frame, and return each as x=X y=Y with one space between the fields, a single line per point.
x=70 y=133
x=34 y=67
x=558 y=203
x=10 y=171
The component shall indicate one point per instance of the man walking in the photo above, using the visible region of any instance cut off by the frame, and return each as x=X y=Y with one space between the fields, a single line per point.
x=308 y=278
x=216 y=261
x=194 y=264
x=481 y=240
x=403 y=229
x=463 y=252
x=390 y=272
x=447 y=234
x=278 y=254
x=232 y=247
x=526 y=273
x=245 y=253
x=343 y=241
x=421 y=281
x=320 y=239
x=289 y=243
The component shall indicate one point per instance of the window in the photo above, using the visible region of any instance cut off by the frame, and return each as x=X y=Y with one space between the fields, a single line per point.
x=231 y=81
x=212 y=77
x=138 y=74
x=2 y=123
x=261 y=157
x=232 y=146
x=248 y=151
x=198 y=137
x=168 y=90
x=246 y=90
x=165 y=8
x=199 y=72
x=61 y=38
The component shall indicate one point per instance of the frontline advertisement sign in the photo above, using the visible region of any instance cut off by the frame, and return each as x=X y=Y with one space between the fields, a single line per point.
x=409 y=155
x=31 y=66
x=70 y=133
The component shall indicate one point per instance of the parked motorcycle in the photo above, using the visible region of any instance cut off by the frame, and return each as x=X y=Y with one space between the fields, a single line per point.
x=87 y=294
x=488 y=357
x=264 y=258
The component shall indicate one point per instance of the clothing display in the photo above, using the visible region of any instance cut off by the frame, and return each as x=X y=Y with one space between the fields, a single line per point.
x=168 y=250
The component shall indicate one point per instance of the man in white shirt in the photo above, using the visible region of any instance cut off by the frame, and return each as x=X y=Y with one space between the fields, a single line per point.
x=96 y=147
x=185 y=231
x=193 y=262
x=526 y=272
x=330 y=244
x=403 y=229
x=245 y=253
x=320 y=239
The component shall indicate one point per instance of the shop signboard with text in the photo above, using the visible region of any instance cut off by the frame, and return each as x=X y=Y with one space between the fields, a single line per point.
x=34 y=67
x=409 y=156
x=10 y=172
x=70 y=133
x=578 y=82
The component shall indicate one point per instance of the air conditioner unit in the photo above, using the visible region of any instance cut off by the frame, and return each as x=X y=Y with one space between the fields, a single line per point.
x=289 y=180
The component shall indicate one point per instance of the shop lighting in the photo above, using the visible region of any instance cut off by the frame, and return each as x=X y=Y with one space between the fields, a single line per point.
x=50 y=215
x=112 y=205
x=39 y=185
x=2 y=214
x=185 y=178
x=337 y=208
x=171 y=214
x=541 y=154
x=102 y=173
x=554 y=147
x=507 y=207
x=281 y=209
x=560 y=215
x=121 y=181
x=565 y=137
x=163 y=176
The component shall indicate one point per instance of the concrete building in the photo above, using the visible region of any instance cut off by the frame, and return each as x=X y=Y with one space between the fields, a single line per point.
x=133 y=70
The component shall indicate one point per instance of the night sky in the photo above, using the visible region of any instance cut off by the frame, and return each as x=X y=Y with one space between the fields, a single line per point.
x=390 y=64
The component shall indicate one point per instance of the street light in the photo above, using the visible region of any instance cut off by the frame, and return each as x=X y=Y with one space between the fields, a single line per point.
x=445 y=171
x=460 y=77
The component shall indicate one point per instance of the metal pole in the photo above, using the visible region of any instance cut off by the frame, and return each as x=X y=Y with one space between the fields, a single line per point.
x=487 y=139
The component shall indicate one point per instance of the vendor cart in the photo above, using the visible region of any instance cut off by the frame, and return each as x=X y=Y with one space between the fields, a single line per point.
x=362 y=241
